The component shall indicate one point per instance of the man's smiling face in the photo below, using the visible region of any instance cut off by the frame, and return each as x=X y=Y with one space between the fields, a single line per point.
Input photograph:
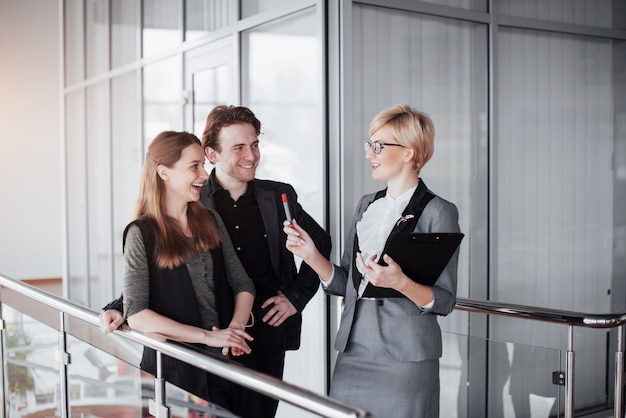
x=239 y=153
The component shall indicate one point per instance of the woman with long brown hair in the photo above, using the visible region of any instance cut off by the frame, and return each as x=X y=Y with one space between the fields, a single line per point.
x=182 y=278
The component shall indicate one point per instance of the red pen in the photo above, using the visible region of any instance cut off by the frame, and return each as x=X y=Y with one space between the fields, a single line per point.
x=286 y=206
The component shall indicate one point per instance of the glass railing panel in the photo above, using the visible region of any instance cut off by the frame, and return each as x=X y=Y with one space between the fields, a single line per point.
x=116 y=360
x=453 y=375
x=31 y=365
x=530 y=389
x=495 y=379
x=101 y=385
x=188 y=405
x=110 y=383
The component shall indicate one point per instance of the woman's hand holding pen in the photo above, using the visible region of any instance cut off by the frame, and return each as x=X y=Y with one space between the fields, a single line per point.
x=301 y=244
x=298 y=240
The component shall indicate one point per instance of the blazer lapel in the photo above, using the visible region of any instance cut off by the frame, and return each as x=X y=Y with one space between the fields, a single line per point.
x=210 y=187
x=269 y=212
x=411 y=213
x=404 y=225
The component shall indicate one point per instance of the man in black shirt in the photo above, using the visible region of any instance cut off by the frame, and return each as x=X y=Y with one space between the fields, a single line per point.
x=252 y=210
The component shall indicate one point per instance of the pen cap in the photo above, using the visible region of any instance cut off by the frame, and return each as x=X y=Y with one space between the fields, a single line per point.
x=284 y=197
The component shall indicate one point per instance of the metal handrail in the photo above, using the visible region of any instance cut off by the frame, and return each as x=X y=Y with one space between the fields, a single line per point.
x=558 y=316
x=325 y=406
x=571 y=319
x=230 y=370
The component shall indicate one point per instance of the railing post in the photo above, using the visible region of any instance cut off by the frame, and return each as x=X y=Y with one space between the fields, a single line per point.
x=618 y=397
x=64 y=361
x=569 y=374
x=157 y=406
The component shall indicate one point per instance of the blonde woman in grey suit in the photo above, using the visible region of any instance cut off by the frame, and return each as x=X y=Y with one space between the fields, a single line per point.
x=389 y=341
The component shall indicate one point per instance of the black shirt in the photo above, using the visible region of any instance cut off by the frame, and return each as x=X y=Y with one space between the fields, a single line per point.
x=247 y=232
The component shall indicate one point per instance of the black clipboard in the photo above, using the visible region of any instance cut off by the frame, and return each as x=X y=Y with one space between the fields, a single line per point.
x=423 y=256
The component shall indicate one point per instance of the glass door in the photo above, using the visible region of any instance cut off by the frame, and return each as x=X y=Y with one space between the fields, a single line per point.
x=208 y=83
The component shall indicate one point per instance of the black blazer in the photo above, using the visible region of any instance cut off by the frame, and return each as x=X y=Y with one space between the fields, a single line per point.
x=298 y=286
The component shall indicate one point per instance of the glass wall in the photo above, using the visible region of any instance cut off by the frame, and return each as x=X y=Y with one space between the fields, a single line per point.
x=282 y=77
x=556 y=232
x=127 y=157
x=96 y=37
x=202 y=17
x=124 y=32
x=597 y=13
x=99 y=208
x=162 y=97
x=450 y=86
x=528 y=104
x=529 y=146
x=162 y=26
x=77 y=264
x=170 y=63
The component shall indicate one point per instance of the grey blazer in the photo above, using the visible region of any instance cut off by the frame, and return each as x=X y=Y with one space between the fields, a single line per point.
x=408 y=332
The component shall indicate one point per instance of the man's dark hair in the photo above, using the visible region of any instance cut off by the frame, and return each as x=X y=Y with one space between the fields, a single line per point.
x=222 y=116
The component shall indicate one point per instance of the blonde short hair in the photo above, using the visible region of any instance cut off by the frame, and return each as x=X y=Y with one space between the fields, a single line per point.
x=411 y=128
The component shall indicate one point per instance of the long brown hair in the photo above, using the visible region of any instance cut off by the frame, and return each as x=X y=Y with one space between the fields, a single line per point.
x=172 y=247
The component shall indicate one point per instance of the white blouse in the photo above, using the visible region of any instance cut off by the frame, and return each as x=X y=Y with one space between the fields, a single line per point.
x=376 y=224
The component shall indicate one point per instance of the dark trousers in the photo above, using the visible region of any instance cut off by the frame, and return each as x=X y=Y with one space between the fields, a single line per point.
x=268 y=357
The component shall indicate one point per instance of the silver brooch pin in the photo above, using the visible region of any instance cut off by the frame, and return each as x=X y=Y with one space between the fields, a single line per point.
x=405 y=218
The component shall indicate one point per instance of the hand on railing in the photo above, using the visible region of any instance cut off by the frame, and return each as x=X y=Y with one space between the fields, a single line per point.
x=112 y=320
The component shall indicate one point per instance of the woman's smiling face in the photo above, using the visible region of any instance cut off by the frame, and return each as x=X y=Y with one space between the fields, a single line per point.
x=389 y=162
x=186 y=177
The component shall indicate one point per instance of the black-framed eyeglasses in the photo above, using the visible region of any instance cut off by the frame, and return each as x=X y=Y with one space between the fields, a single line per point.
x=378 y=146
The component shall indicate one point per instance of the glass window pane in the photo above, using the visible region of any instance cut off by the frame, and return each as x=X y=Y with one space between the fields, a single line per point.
x=557 y=127
x=253 y=7
x=284 y=82
x=205 y=16
x=162 y=90
x=211 y=88
x=556 y=223
x=477 y=5
x=99 y=199
x=438 y=66
x=124 y=32
x=127 y=161
x=161 y=26
x=600 y=13
x=97 y=36
x=208 y=73
x=76 y=195
x=283 y=87
x=74 y=41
